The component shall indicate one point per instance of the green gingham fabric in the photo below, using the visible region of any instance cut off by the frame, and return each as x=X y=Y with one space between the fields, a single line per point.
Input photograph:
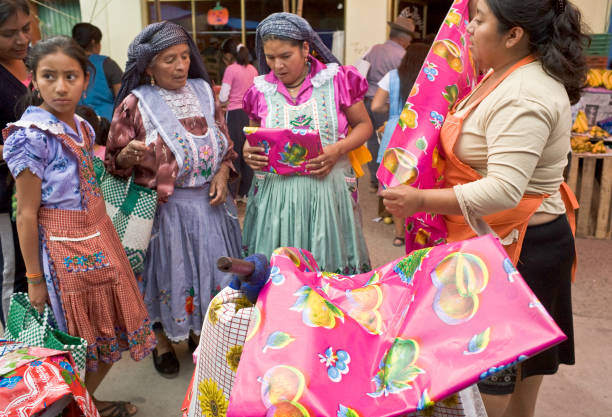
x=25 y=324
x=131 y=208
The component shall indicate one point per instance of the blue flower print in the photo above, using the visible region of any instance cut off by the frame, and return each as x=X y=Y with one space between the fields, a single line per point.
x=10 y=382
x=436 y=119
x=36 y=363
x=431 y=71
x=276 y=277
x=336 y=363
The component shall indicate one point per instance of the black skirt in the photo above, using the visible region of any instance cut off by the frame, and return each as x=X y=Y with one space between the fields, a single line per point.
x=545 y=263
x=236 y=120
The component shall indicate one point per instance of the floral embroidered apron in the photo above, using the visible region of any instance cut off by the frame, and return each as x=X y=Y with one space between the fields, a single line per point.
x=101 y=301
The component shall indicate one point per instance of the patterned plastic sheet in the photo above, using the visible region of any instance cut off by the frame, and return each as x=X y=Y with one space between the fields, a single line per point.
x=388 y=342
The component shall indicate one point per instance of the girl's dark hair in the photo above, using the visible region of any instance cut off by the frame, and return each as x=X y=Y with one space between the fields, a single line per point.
x=41 y=49
x=230 y=46
x=410 y=67
x=101 y=125
x=86 y=34
x=9 y=8
x=555 y=33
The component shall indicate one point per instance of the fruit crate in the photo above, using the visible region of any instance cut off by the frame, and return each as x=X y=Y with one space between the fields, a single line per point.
x=596 y=61
x=600 y=45
x=590 y=177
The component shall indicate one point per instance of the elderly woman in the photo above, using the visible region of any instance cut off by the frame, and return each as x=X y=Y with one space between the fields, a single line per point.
x=317 y=212
x=506 y=146
x=167 y=133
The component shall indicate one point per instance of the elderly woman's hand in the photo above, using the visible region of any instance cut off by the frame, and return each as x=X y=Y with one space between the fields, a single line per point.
x=324 y=163
x=254 y=156
x=131 y=154
x=218 y=186
x=403 y=200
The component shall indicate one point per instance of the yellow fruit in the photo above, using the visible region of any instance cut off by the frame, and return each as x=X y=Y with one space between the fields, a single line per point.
x=439 y=48
x=580 y=124
x=387 y=220
x=282 y=383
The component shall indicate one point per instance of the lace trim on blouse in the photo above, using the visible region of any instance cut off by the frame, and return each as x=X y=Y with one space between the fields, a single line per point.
x=183 y=103
x=317 y=81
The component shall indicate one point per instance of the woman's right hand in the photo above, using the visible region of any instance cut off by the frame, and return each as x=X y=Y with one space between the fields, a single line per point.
x=39 y=295
x=254 y=156
x=131 y=154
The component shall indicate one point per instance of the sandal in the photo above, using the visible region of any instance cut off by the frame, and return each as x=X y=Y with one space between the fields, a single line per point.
x=399 y=241
x=166 y=364
x=117 y=409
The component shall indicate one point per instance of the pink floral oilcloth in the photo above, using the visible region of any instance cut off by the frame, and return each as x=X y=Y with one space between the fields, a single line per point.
x=158 y=169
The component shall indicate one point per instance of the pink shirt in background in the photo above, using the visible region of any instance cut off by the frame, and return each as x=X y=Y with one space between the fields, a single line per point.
x=238 y=79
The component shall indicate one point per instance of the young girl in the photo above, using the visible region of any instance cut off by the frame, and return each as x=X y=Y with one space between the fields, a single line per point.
x=74 y=259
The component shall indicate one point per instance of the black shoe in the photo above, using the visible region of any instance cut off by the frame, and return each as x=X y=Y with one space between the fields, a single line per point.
x=167 y=364
x=191 y=344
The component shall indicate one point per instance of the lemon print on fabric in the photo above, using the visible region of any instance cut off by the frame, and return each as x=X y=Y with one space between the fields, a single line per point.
x=364 y=304
x=402 y=164
x=287 y=409
x=460 y=278
x=316 y=310
x=212 y=400
x=397 y=369
x=281 y=383
x=232 y=357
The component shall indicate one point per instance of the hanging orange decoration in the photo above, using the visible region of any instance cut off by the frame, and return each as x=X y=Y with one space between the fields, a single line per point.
x=218 y=16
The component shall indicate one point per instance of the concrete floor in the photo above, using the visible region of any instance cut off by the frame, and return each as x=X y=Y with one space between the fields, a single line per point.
x=581 y=390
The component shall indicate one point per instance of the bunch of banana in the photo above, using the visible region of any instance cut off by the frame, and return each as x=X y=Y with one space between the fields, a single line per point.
x=581 y=125
x=581 y=144
x=597 y=132
x=599 y=78
x=599 y=147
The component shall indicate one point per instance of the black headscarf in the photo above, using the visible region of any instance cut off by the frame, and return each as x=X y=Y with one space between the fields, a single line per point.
x=290 y=26
x=147 y=44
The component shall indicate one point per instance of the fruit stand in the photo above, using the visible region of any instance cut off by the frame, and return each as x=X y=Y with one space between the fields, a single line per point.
x=590 y=168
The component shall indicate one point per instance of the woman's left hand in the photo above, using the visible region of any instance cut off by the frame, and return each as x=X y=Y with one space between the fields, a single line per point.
x=403 y=200
x=218 y=186
x=324 y=163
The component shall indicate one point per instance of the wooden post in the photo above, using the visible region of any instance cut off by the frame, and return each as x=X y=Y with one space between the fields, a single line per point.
x=586 y=196
x=193 y=22
x=605 y=197
x=300 y=7
x=286 y=6
x=243 y=22
x=158 y=11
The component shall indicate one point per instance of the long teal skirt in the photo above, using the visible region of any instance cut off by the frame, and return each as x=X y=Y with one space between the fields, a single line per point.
x=317 y=214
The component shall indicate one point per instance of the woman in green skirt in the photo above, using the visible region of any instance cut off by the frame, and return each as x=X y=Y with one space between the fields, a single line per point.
x=318 y=212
